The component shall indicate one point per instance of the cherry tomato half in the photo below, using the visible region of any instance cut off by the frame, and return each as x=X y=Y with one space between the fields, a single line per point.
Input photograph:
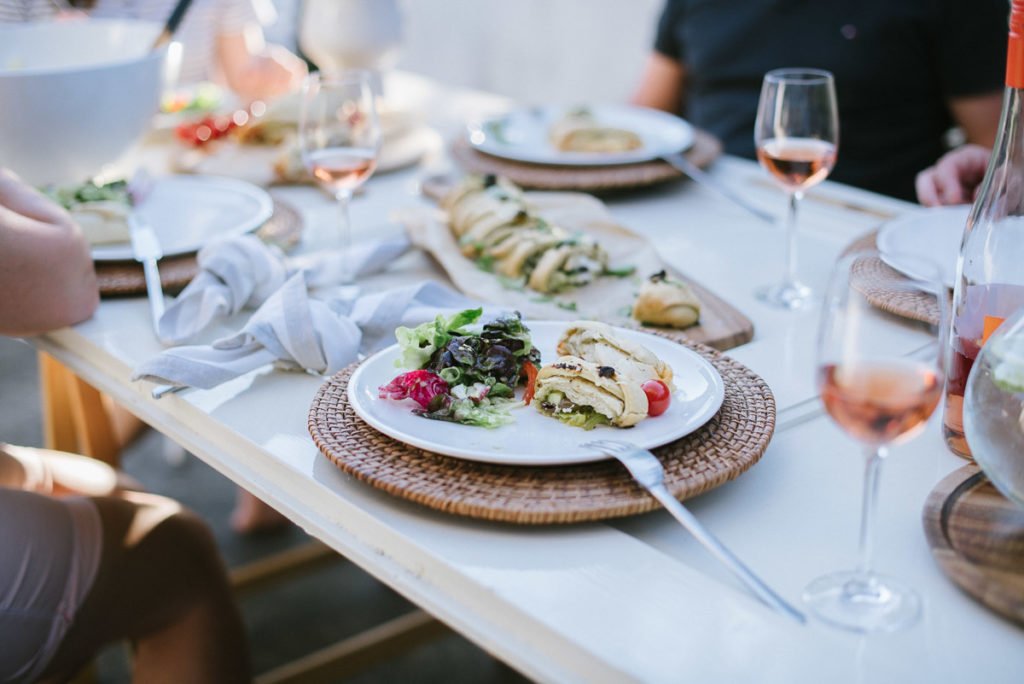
x=659 y=396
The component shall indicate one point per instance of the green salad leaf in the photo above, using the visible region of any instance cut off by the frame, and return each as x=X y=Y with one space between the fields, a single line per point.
x=69 y=195
x=584 y=417
x=471 y=405
x=419 y=344
x=481 y=368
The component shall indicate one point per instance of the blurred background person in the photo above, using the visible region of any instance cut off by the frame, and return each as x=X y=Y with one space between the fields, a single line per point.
x=222 y=40
x=905 y=73
x=84 y=563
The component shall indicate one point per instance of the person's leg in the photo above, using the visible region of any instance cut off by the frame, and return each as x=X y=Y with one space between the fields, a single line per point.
x=251 y=515
x=162 y=585
x=58 y=473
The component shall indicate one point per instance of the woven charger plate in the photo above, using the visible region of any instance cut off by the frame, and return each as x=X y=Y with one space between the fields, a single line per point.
x=706 y=148
x=883 y=286
x=721 y=450
x=126 y=278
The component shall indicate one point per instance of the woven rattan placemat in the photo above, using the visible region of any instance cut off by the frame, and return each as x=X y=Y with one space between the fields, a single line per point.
x=706 y=148
x=882 y=286
x=126 y=278
x=721 y=450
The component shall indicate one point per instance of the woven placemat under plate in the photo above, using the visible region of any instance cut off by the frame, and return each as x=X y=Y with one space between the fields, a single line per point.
x=126 y=278
x=884 y=286
x=706 y=148
x=721 y=450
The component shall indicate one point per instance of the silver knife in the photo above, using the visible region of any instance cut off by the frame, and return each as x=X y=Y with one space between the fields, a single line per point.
x=147 y=251
x=682 y=164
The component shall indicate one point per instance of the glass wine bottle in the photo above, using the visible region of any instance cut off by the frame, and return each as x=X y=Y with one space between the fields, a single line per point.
x=990 y=272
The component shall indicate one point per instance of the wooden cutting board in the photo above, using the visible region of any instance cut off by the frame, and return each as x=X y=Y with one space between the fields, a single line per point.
x=721 y=325
x=977 y=538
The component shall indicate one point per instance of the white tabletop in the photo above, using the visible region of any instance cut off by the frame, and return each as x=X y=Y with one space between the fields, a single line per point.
x=634 y=599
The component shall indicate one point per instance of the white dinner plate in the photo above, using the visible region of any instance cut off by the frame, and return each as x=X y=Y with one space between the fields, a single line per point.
x=536 y=439
x=522 y=135
x=933 y=234
x=186 y=212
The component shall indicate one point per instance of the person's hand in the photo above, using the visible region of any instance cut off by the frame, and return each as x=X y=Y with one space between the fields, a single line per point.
x=281 y=71
x=20 y=204
x=258 y=74
x=46 y=270
x=955 y=177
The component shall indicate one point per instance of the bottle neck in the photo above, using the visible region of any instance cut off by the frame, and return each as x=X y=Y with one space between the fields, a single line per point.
x=1006 y=165
x=1015 y=47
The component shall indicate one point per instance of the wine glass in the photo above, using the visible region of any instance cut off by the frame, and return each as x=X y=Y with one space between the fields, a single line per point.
x=339 y=138
x=878 y=396
x=994 y=408
x=796 y=135
x=352 y=34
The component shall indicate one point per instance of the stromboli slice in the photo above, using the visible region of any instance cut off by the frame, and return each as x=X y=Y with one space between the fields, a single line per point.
x=597 y=342
x=527 y=245
x=505 y=216
x=584 y=384
x=572 y=263
x=579 y=131
x=666 y=301
x=477 y=184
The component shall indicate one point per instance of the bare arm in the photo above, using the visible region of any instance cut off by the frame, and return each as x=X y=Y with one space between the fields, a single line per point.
x=46 y=271
x=978 y=116
x=662 y=84
x=256 y=70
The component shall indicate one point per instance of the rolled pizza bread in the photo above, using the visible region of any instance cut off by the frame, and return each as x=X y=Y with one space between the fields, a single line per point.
x=491 y=221
x=579 y=131
x=572 y=388
x=666 y=301
x=571 y=263
x=597 y=342
x=102 y=222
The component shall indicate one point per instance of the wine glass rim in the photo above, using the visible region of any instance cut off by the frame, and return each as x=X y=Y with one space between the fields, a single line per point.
x=801 y=75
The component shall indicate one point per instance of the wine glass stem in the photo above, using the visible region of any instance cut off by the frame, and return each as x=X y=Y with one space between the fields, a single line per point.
x=347 y=275
x=872 y=467
x=794 y=198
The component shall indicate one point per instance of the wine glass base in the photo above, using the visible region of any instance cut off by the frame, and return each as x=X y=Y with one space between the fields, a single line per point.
x=863 y=603
x=792 y=295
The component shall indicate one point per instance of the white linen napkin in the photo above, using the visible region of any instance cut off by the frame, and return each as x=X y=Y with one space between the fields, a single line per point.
x=296 y=332
x=243 y=272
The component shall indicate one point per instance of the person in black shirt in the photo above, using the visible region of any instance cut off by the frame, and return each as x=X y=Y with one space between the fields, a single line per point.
x=906 y=72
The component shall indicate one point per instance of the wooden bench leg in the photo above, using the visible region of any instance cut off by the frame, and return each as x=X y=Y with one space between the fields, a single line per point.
x=260 y=573
x=58 y=423
x=77 y=418
x=359 y=652
x=96 y=437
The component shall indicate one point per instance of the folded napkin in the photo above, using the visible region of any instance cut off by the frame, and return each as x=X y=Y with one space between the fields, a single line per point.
x=296 y=332
x=243 y=272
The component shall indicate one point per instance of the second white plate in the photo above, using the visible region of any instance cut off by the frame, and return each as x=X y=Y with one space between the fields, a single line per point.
x=536 y=439
x=186 y=212
x=933 y=234
x=522 y=135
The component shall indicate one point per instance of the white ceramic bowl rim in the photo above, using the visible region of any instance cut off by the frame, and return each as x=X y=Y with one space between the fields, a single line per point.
x=148 y=27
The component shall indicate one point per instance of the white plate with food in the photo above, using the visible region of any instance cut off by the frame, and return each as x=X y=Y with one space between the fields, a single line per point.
x=932 y=234
x=595 y=135
x=186 y=212
x=531 y=435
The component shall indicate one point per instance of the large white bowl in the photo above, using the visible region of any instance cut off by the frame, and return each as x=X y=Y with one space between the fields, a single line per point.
x=75 y=95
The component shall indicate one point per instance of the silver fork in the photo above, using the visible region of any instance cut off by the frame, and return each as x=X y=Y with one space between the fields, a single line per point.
x=647 y=471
